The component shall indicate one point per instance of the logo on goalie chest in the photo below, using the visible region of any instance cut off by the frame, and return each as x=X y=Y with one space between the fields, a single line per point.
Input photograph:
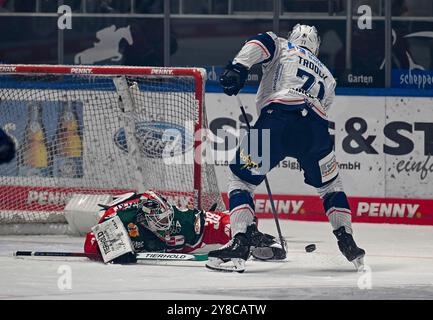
x=133 y=230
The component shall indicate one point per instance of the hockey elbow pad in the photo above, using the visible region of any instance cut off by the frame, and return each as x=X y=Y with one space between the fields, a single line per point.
x=233 y=79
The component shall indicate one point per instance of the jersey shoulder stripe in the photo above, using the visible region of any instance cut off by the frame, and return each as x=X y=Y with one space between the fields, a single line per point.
x=267 y=42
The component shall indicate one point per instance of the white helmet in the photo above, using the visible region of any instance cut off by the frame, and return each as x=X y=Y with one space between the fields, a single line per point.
x=305 y=37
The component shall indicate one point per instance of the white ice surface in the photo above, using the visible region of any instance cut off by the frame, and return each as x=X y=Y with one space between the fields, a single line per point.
x=400 y=258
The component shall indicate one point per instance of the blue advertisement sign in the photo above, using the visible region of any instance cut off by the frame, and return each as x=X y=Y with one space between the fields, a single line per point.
x=412 y=79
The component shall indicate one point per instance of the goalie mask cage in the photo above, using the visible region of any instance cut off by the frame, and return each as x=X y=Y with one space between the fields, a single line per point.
x=100 y=130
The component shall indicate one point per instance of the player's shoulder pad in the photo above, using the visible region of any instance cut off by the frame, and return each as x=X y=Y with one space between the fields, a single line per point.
x=268 y=40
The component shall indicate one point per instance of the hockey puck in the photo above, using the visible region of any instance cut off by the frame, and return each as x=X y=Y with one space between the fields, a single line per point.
x=310 y=247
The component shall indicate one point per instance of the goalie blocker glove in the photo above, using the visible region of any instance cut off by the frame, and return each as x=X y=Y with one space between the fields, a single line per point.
x=233 y=79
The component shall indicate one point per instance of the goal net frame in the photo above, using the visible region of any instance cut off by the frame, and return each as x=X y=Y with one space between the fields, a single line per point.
x=126 y=102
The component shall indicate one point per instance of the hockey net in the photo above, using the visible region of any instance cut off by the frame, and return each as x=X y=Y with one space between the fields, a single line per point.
x=101 y=130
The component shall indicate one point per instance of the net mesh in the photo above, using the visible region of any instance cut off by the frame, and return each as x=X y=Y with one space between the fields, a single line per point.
x=78 y=134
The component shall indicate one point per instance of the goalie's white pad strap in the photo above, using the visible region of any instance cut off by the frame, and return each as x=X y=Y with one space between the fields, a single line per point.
x=113 y=239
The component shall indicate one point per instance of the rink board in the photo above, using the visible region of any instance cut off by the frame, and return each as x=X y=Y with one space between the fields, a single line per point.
x=383 y=145
x=369 y=210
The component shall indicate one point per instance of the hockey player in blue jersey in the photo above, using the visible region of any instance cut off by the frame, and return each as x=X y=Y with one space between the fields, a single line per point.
x=294 y=95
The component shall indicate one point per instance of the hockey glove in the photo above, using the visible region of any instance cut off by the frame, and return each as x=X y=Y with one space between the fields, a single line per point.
x=233 y=78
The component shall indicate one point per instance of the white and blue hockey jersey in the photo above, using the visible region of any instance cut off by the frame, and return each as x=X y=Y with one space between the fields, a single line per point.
x=287 y=70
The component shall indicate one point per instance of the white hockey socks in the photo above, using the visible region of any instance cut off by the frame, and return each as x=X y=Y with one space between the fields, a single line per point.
x=240 y=218
x=336 y=205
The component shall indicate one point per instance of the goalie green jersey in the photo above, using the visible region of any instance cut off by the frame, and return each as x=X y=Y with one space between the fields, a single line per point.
x=185 y=233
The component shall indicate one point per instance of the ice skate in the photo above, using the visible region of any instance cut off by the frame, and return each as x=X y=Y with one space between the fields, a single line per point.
x=349 y=248
x=236 y=250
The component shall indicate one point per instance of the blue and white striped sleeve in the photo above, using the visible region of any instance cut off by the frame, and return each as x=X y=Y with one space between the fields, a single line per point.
x=259 y=49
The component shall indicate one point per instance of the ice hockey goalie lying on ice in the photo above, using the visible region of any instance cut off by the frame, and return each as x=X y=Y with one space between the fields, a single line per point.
x=154 y=225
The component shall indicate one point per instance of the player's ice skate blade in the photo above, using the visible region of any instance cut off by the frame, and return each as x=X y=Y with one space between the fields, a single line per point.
x=349 y=249
x=236 y=250
x=359 y=264
x=273 y=252
x=216 y=265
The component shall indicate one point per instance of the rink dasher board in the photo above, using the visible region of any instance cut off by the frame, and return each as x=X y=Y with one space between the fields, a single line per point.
x=368 y=173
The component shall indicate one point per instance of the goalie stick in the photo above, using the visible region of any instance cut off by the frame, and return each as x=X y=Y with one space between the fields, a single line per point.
x=171 y=256
x=140 y=256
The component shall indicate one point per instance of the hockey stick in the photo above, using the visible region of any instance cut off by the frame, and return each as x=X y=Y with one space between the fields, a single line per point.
x=140 y=256
x=56 y=254
x=171 y=256
x=268 y=188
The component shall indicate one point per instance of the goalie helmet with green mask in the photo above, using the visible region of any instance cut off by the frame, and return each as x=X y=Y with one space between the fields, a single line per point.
x=157 y=212
x=306 y=37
